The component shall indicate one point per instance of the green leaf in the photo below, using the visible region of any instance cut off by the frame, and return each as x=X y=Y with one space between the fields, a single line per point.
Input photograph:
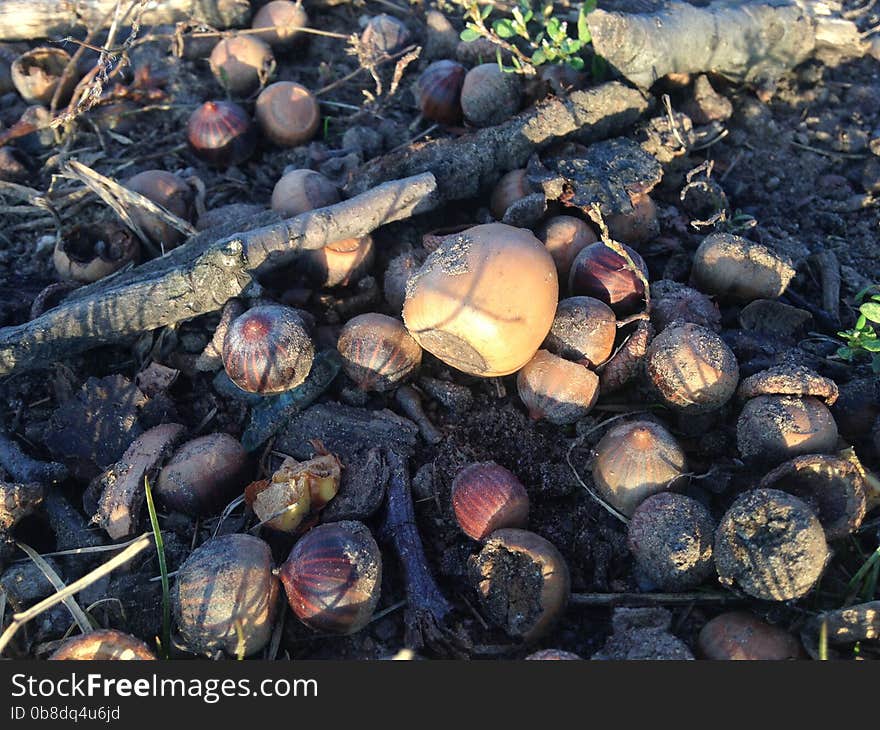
x=871 y=310
x=846 y=353
x=486 y=11
x=861 y=322
x=875 y=364
x=518 y=16
x=539 y=57
x=598 y=68
x=589 y=6
x=553 y=28
x=469 y=34
x=871 y=345
x=504 y=28
x=577 y=63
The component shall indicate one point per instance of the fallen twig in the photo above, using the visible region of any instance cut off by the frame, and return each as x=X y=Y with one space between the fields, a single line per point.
x=652 y=599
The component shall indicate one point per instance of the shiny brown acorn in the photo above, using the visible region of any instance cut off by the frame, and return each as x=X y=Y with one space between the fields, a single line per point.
x=511 y=187
x=583 y=331
x=333 y=577
x=638 y=225
x=565 y=237
x=242 y=63
x=600 y=272
x=377 y=351
x=557 y=390
x=487 y=497
x=221 y=133
x=299 y=191
x=439 y=90
x=384 y=34
x=169 y=191
x=103 y=645
x=288 y=113
x=268 y=350
x=738 y=635
x=226 y=597
x=280 y=23
x=635 y=460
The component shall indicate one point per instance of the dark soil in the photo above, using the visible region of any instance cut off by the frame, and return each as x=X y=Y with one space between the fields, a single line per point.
x=799 y=170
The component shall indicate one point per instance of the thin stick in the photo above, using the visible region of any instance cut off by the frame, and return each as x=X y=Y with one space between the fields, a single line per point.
x=20 y=619
x=651 y=599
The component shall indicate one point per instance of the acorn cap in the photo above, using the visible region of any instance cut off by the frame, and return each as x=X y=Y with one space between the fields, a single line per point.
x=788 y=380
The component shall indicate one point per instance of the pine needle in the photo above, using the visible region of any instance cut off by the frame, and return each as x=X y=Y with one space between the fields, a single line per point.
x=163 y=570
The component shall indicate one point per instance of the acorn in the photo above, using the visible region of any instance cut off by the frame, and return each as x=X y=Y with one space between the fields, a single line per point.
x=675 y=302
x=242 y=64
x=466 y=305
x=635 y=460
x=635 y=226
x=14 y=165
x=583 y=331
x=283 y=21
x=487 y=497
x=565 y=237
x=385 y=35
x=670 y=536
x=88 y=253
x=598 y=271
x=773 y=428
x=511 y=187
x=738 y=635
x=268 y=350
x=338 y=263
x=522 y=582
x=557 y=390
x=439 y=92
x=771 y=545
x=489 y=95
x=170 y=192
x=37 y=73
x=288 y=113
x=397 y=275
x=834 y=488
x=103 y=645
x=203 y=475
x=221 y=133
x=300 y=191
x=692 y=368
x=226 y=596
x=333 y=577
x=735 y=268
x=377 y=351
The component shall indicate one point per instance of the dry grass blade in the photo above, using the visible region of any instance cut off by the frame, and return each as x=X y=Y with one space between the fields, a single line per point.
x=20 y=619
x=70 y=603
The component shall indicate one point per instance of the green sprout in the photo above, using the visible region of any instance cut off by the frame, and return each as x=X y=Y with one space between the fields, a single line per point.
x=862 y=341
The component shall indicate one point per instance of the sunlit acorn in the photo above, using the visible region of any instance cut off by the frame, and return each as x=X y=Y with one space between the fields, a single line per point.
x=522 y=582
x=295 y=491
x=670 y=536
x=635 y=460
x=339 y=263
x=242 y=63
x=738 y=635
x=203 y=475
x=89 y=253
x=511 y=187
x=466 y=304
x=288 y=113
x=487 y=497
x=833 y=487
x=169 y=191
x=771 y=545
x=599 y=271
x=674 y=302
x=735 y=268
x=692 y=368
x=635 y=226
x=333 y=577
x=489 y=95
x=773 y=428
x=385 y=34
x=221 y=133
x=226 y=596
x=283 y=22
x=299 y=191
x=439 y=91
x=103 y=645
x=268 y=350
x=37 y=73
x=557 y=390
x=377 y=351
x=583 y=331
x=565 y=237
x=553 y=655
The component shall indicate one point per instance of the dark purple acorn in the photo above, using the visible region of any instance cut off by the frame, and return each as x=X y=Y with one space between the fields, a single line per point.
x=333 y=577
x=602 y=273
x=221 y=133
x=440 y=92
x=267 y=350
x=487 y=497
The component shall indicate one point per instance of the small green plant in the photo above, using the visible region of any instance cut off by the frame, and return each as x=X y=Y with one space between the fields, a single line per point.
x=533 y=36
x=862 y=340
x=163 y=571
